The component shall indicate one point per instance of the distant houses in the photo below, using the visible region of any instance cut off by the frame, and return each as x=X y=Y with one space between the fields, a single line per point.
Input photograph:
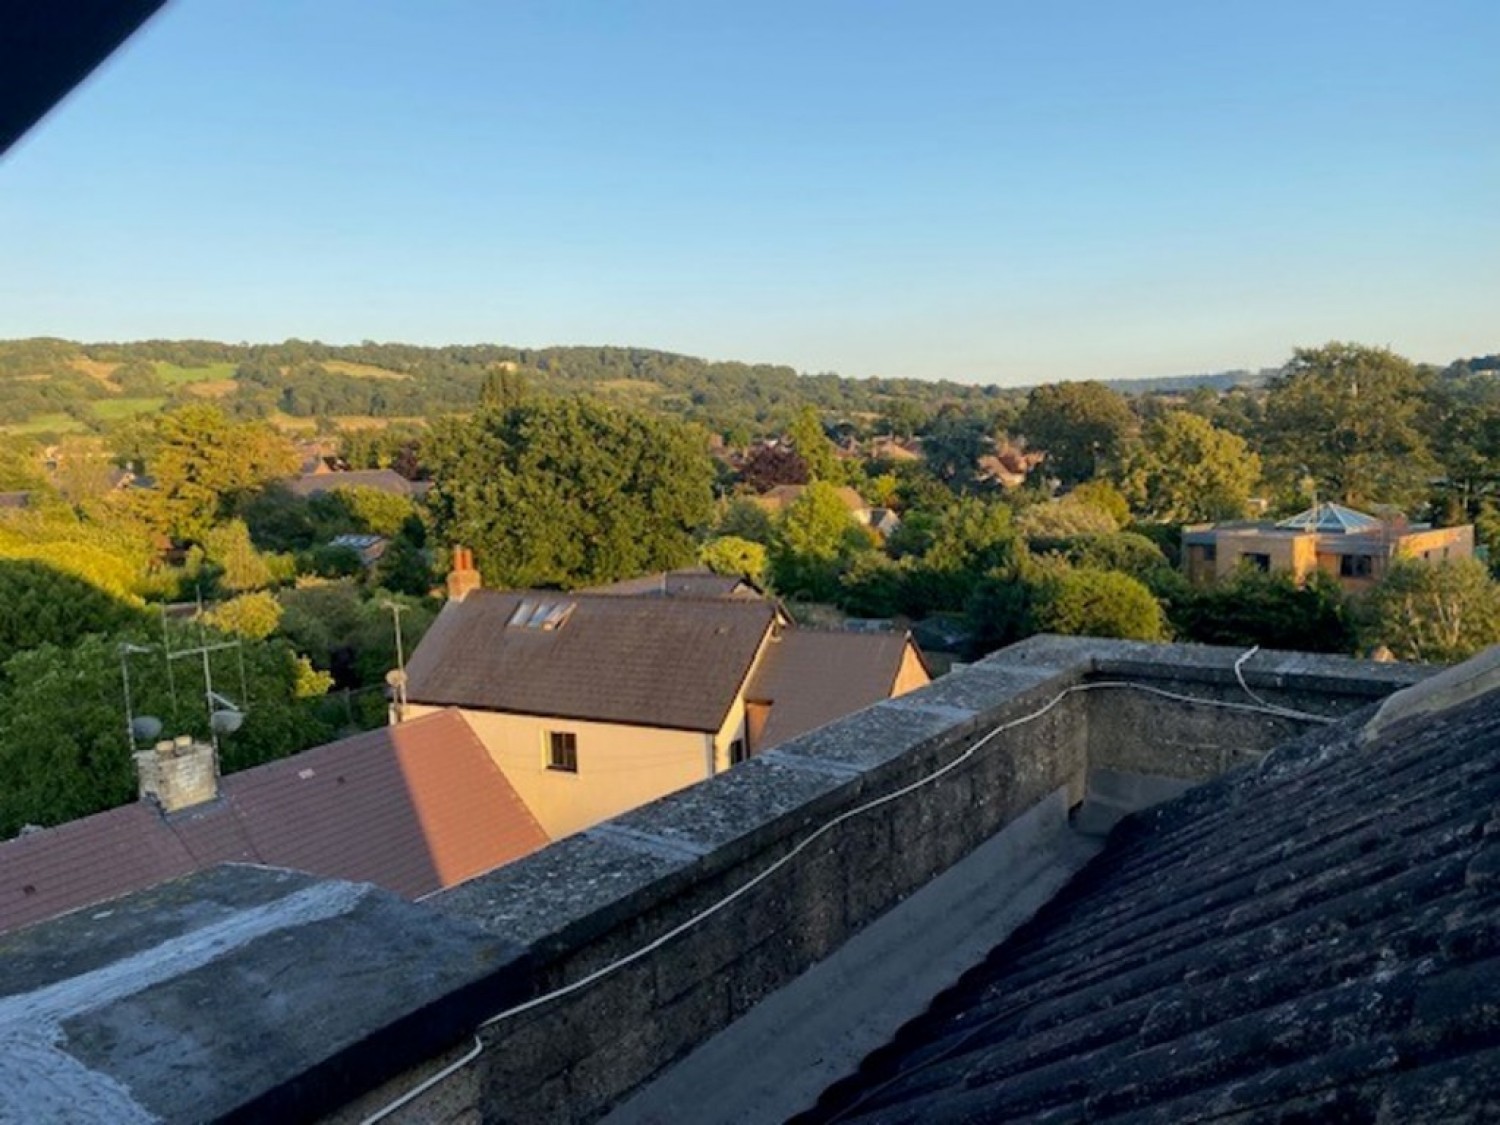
x=1353 y=547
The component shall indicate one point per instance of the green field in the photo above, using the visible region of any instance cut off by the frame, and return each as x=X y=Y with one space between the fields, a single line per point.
x=113 y=409
x=46 y=424
x=175 y=376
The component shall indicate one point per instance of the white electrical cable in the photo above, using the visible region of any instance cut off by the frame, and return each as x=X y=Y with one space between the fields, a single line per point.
x=1260 y=707
x=1286 y=712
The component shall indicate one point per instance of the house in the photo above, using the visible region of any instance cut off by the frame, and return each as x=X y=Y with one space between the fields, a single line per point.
x=382 y=480
x=595 y=703
x=1354 y=547
x=413 y=809
x=783 y=496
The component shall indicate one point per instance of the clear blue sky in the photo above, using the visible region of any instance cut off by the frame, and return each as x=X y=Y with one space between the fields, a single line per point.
x=991 y=191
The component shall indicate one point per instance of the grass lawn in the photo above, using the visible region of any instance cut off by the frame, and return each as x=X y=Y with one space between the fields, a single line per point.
x=46 y=424
x=175 y=376
x=112 y=409
x=362 y=370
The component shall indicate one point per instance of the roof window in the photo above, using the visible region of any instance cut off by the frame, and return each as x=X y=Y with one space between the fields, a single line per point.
x=544 y=616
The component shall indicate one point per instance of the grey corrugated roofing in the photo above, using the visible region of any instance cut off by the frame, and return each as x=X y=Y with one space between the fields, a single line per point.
x=661 y=662
x=412 y=808
x=1316 y=939
x=811 y=678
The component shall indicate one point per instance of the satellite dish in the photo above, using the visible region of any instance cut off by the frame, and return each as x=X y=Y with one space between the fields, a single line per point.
x=226 y=721
x=396 y=678
x=145 y=728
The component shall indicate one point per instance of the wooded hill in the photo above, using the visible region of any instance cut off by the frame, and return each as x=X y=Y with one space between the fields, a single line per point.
x=50 y=387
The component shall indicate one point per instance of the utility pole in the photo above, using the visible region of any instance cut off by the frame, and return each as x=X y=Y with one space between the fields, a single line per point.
x=397 y=677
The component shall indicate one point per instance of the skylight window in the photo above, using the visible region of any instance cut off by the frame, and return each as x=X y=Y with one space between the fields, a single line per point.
x=543 y=616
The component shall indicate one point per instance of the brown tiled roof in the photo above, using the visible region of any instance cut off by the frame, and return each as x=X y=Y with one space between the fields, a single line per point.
x=811 y=678
x=676 y=663
x=680 y=584
x=413 y=808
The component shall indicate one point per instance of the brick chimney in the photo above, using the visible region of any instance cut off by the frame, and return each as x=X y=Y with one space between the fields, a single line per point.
x=463 y=578
x=178 y=773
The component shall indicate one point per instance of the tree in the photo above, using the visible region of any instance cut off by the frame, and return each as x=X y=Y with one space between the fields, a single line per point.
x=374 y=510
x=1252 y=607
x=240 y=566
x=735 y=557
x=1064 y=519
x=968 y=542
x=203 y=464
x=770 y=465
x=1186 y=470
x=1442 y=613
x=1082 y=428
x=255 y=615
x=812 y=445
x=1348 y=416
x=569 y=492
x=1096 y=603
x=814 y=537
x=41 y=604
x=952 y=446
x=745 y=519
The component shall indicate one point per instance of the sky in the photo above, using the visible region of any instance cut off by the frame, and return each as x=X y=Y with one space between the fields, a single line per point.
x=985 y=191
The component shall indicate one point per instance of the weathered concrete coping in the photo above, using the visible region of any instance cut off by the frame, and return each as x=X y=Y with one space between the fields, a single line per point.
x=240 y=991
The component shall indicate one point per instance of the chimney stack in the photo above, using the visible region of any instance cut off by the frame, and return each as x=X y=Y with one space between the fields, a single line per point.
x=463 y=578
x=178 y=773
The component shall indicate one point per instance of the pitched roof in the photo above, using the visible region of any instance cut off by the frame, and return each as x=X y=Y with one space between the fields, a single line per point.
x=413 y=808
x=811 y=678
x=680 y=584
x=1312 y=939
x=784 y=495
x=383 y=480
x=660 y=662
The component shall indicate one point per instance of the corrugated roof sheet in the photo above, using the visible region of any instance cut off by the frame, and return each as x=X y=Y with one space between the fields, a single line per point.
x=658 y=662
x=811 y=678
x=1317 y=939
x=413 y=808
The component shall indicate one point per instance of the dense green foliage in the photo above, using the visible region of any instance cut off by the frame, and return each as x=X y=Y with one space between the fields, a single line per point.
x=569 y=492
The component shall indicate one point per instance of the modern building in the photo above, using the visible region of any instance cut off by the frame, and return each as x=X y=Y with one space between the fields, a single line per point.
x=595 y=703
x=1353 y=547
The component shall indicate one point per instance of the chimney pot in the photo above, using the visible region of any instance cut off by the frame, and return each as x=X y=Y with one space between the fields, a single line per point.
x=463 y=578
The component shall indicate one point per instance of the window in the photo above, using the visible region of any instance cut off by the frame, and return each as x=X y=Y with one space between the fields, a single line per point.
x=1258 y=561
x=562 y=751
x=1356 y=566
x=1210 y=552
x=739 y=751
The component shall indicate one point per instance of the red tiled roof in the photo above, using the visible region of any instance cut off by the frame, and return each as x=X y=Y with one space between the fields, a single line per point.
x=811 y=678
x=674 y=663
x=413 y=808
